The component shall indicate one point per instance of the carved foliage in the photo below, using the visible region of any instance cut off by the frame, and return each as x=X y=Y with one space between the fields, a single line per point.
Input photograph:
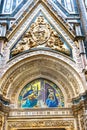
x=40 y=34
x=42 y=124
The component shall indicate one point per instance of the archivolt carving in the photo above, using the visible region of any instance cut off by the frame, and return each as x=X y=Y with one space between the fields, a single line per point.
x=24 y=69
x=40 y=34
x=15 y=90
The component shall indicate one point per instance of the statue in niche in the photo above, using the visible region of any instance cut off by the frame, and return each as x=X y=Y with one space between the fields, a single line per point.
x=40 y=34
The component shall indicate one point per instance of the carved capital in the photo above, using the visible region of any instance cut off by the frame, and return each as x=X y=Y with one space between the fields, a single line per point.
x=4 y=108
x=80 y=108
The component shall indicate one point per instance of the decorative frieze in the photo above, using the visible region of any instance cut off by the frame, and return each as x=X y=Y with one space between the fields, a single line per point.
x=52 y=123
x=79 y=111
x=42 y=35
x=38 y=112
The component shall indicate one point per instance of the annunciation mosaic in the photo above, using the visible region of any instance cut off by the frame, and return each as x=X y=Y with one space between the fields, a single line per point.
x=41 y=93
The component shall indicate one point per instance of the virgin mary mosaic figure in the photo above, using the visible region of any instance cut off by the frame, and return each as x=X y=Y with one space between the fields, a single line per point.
x=52 y=100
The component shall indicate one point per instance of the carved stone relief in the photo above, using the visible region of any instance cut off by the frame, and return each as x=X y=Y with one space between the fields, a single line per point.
x=30 y=69
x=42 y=124
x=40 y=34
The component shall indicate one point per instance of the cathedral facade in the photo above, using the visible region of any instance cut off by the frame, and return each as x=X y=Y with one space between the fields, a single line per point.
x=43 y=65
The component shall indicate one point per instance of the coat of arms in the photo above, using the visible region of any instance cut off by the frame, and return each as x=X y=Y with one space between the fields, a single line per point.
x=40 y=34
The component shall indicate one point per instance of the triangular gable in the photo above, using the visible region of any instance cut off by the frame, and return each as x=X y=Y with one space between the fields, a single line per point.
x=41 y=34
x=57 y=24
x=57 y=15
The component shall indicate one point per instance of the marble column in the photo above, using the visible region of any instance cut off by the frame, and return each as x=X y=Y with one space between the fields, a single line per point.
x=3 y=28
x=82 y=53
x=1 y=46
x=1 y=55
x=1 y=58
x=80 y=111
x=79 y=38
x=83 y=15
x=3 y=39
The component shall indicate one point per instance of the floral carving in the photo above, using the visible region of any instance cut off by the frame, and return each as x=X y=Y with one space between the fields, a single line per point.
x=42 y=124
x=40 y=34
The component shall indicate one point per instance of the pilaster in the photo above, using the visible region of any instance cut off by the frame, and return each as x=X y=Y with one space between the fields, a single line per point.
x=4 y=110
x=3 y=39
x=3 y=28
x=80 y=40
x=83 y=15
x=82 y=11
x=80 y=113
x=0 y=122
